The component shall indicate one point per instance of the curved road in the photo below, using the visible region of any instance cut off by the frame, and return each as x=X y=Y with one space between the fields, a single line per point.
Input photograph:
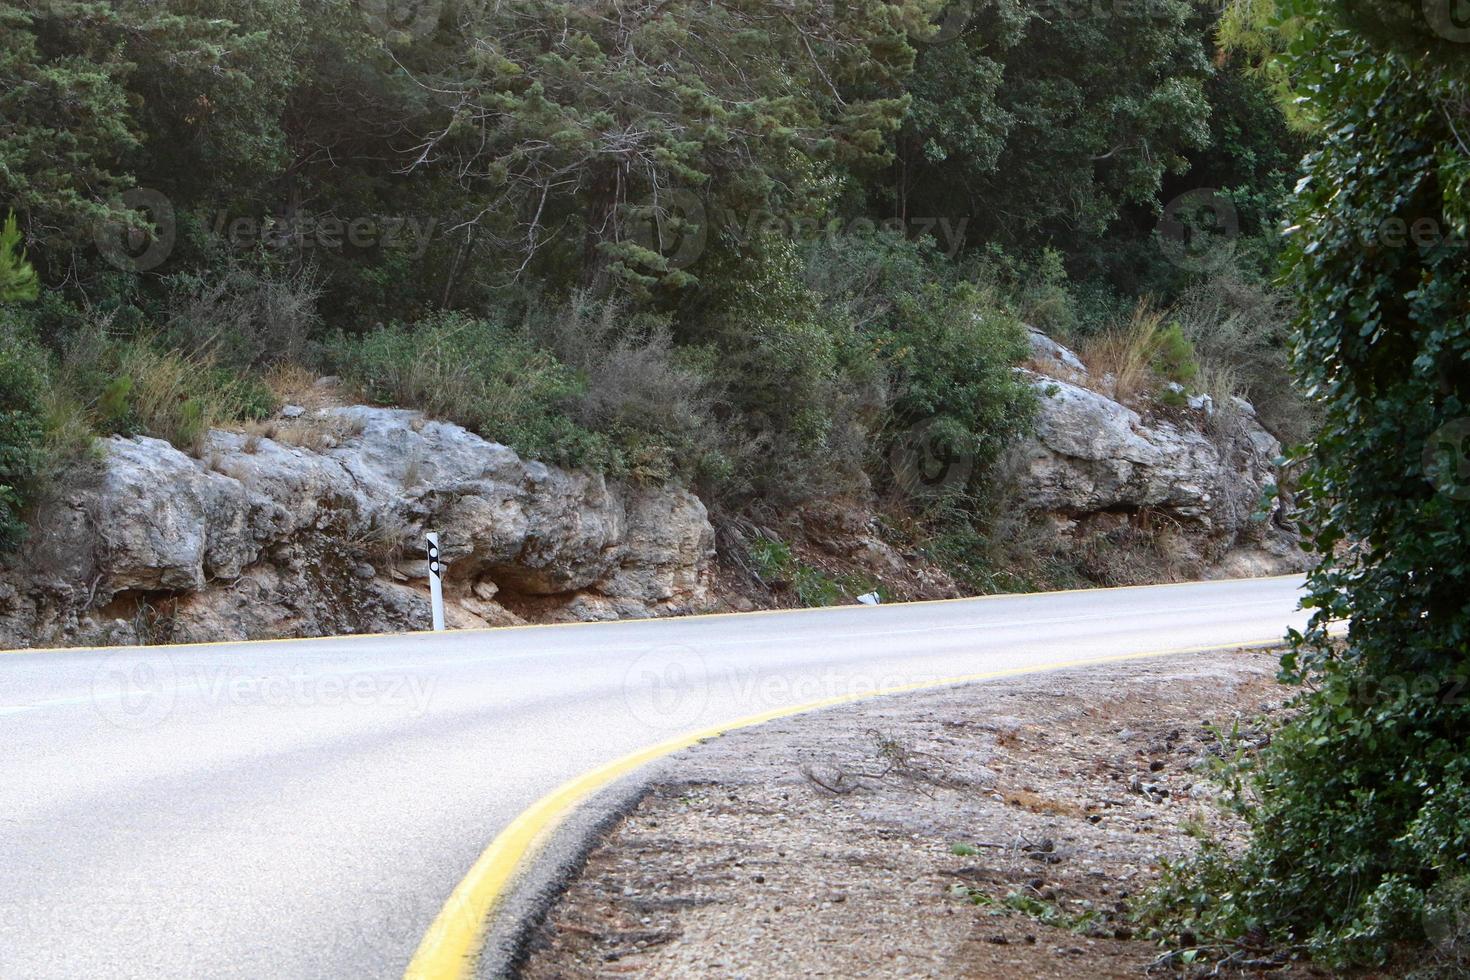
x=304 y=808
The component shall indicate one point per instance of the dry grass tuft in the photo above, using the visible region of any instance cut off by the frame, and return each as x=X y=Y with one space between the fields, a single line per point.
x=318 y=433
x=1121 y=360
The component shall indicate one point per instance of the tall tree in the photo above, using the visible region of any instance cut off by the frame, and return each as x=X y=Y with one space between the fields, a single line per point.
x=596 y=133
x=1039 y=120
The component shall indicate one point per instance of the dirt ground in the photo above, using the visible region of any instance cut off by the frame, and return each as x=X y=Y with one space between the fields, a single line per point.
x=994 y=831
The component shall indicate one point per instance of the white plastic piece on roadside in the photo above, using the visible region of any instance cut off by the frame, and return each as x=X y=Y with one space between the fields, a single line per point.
x=871 y=599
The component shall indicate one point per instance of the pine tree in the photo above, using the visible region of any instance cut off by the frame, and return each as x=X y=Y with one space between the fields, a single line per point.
x=18 y=282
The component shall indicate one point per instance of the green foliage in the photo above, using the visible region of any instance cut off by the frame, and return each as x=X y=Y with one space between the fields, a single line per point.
x=1174 y=358
x=18 y=283
x=776 y=565
x=1365 y=795
x=1043 y=911
x=595 y=217
x=772 y=558
x=141 y=386
x=801 y=392
x=660 y=113
x=945 y=346
x=655 y=400
x=1038 y=123
x=22 y=379
x=479 y=373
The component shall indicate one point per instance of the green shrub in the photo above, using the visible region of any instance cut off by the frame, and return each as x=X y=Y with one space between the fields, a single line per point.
x=1174 y=358
x=774 y=563
x=944 y=348
x=18 y=283
x=22 y=380
x=654 y=400
x=772 y=558
x=1365 y=794
x=798 y=392
x=480 y=374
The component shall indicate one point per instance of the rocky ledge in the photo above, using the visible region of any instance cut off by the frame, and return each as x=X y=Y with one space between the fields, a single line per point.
x=1212 y=472
x=318 y=529
x=316 y=524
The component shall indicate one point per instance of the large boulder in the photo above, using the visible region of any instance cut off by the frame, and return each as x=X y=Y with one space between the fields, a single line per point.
x=1091 y=454
x=319 y=528
x=1207 y=467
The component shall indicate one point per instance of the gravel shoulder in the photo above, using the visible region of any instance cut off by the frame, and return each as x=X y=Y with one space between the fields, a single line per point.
x=995 y=830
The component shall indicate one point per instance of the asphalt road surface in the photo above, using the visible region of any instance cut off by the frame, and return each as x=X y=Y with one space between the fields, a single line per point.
x=303 y=809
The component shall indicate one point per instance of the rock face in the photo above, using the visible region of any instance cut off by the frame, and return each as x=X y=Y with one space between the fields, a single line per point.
x=317 y=526
x=1210 y=470
x=320 y=530
x=1092 y=454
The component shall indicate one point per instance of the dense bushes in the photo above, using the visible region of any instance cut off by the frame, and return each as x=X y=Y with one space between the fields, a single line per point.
x=22 y=379
x=479 y=373
x=1363 y=819
x=946 y=345
x=644 y=242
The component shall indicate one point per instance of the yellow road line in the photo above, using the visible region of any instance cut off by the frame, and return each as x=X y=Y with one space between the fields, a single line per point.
x=452 y=944
x=666 y=619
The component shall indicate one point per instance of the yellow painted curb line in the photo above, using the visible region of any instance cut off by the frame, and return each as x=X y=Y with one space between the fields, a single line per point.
x=450 y=948
x=204 y=645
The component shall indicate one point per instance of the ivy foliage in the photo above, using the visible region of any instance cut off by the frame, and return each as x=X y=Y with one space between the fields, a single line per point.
x=1365 y=797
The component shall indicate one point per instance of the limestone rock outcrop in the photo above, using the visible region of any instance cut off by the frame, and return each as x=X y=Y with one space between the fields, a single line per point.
x=1212 y=470
x=320 y=530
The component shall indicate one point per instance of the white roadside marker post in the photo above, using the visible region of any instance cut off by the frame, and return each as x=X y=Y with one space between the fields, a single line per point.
x=436 y=582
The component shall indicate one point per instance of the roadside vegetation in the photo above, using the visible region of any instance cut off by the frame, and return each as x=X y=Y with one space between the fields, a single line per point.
x=1360 y=805
x=761 y=255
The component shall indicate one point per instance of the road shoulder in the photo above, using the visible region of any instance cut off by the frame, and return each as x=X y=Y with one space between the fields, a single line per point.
x=994 y=830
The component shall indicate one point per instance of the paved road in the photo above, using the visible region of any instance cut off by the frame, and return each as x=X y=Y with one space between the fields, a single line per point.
x=302 y=809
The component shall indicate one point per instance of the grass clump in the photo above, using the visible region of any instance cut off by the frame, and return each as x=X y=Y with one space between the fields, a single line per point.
x=139 y=386
x=1047 y=913
x=477 y=373
x=778 y=567
x=1136 y=357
